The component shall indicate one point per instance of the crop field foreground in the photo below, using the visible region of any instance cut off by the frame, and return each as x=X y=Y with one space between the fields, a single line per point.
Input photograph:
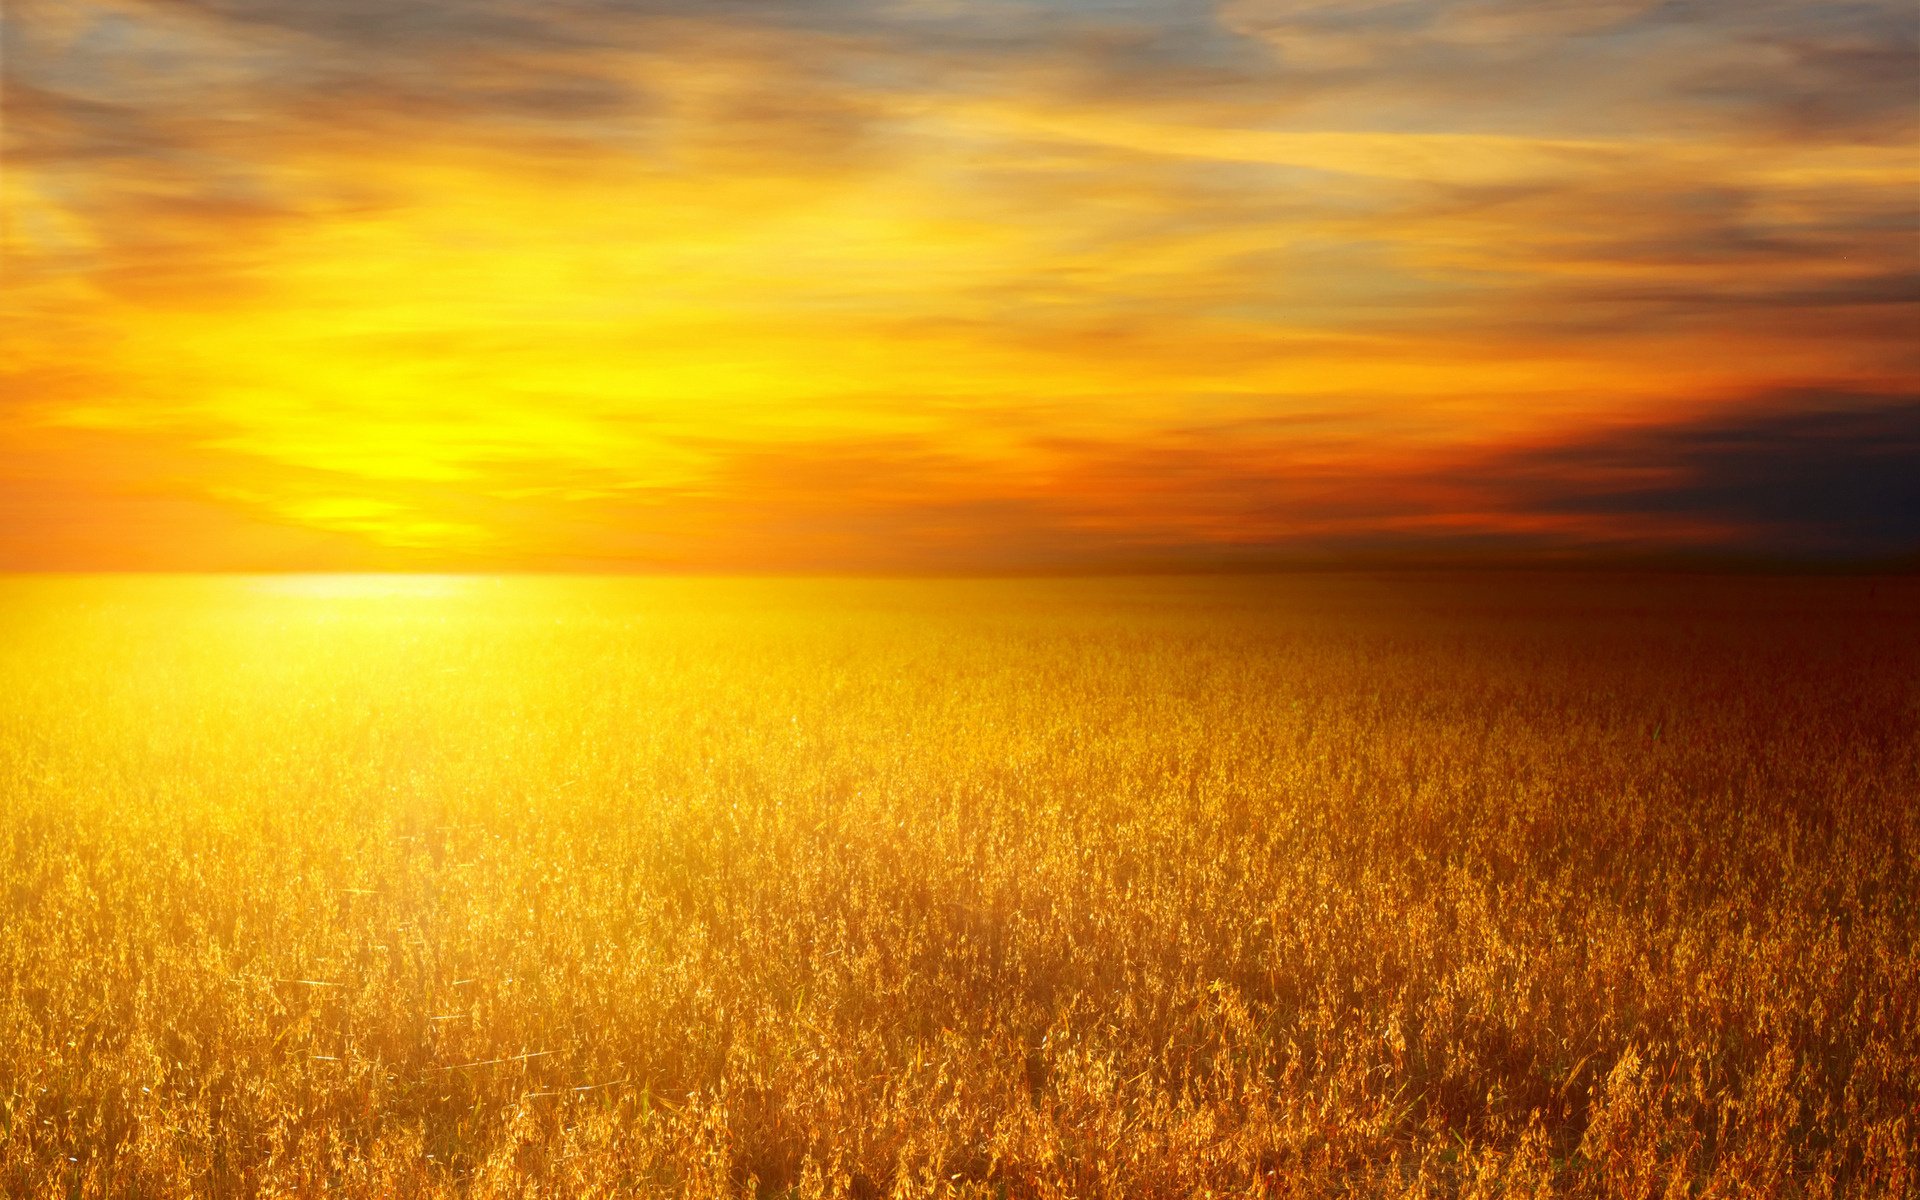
x=1314 y=885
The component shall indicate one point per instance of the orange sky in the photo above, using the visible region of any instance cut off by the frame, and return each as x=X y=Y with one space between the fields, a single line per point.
x=933 y=284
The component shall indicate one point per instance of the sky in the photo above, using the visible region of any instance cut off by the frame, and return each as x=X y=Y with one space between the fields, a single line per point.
x=955 y=284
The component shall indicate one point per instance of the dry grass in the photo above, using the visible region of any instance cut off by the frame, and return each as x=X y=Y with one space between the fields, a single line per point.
x=1319 y=886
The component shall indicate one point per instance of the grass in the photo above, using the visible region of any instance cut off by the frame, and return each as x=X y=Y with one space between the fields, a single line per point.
x=1322 y=885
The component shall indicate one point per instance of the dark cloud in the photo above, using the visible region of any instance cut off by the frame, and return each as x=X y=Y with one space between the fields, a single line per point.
x=1812 y=71
x=1822 y=474
x=1762 y=68
x=1826 y=71
x=1798 y=476
x=1622 y=256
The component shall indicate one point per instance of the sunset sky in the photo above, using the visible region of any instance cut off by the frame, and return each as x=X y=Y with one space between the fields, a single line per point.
x=941 y=284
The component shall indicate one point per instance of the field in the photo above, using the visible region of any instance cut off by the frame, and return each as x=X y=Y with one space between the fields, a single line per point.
x=1313 y=885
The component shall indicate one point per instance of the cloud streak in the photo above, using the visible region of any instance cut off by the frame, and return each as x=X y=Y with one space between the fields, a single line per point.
x=637 y=282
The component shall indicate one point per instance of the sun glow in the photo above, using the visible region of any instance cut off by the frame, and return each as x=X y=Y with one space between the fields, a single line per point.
x=363 y=586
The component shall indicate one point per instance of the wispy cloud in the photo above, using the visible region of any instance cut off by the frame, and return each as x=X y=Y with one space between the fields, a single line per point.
x=640 y=281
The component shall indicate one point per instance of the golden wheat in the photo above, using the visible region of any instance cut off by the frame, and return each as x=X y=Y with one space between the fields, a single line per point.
x=1324 y=885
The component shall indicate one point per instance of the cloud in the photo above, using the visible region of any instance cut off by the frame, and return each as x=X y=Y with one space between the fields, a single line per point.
x=1803 y=473
x=842 y=282
x=1349 y=34
x=1752 y=69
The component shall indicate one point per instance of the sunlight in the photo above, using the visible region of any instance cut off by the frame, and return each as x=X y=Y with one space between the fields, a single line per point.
x=361 y=586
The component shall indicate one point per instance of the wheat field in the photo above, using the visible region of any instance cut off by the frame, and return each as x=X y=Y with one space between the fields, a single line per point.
x=1311 y=885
